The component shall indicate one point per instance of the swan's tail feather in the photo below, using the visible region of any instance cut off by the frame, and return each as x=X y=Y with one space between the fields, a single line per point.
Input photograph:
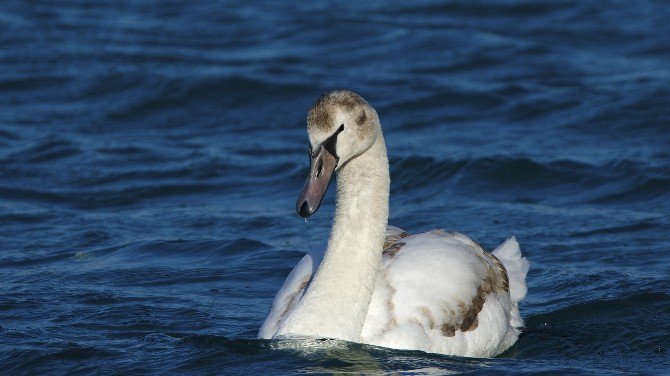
x=517 y=266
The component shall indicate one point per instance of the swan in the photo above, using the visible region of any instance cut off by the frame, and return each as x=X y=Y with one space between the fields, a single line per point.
x=437 y=292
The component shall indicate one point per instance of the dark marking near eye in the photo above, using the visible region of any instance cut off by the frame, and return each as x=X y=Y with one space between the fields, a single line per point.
x=361 y=118
x=330 y=144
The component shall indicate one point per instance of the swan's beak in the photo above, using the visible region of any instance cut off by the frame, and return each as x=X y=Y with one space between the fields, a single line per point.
x=321 y=167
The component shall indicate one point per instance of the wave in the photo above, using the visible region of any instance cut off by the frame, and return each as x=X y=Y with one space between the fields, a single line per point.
x=127 y=176
x=635 y=227
x=488 y=8
x=50 y=148
x=33 y=82
x=631 y=330
x=526 y=180
x=164 y=95
x=616 y=308
x=510 y=179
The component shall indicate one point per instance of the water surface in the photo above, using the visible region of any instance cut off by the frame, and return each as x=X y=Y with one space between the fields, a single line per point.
x=151 y=154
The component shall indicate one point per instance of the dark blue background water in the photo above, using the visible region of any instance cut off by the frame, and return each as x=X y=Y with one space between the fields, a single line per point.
x=151 y=154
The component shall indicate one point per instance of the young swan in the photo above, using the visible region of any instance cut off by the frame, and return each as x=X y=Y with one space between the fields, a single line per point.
x=438 y=292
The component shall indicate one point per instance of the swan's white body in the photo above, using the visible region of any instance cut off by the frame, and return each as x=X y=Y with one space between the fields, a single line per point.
x=438 y=292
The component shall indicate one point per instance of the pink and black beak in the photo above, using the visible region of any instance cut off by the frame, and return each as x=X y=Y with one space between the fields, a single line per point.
x=323 y=162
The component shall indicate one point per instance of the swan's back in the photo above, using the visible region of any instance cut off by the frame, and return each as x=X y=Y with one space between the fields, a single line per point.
x=438 y=292
x=441 y=292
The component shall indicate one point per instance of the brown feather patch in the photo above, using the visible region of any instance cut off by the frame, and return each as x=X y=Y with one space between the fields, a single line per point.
x=320 y=115
x=470 y=313
x=361 y=118
x=392 y=249
x=495 y=281
x=448 y=330
x=392 y=245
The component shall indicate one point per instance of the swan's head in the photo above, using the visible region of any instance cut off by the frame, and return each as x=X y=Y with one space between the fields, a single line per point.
x=341 y=125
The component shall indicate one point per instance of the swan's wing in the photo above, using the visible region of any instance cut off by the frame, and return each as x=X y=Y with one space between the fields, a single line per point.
x=392 y=241
x=440 y=292
x=394 y=233
x=289 y=294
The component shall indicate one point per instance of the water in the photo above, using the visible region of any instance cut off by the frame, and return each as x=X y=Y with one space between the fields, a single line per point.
x=151 y=155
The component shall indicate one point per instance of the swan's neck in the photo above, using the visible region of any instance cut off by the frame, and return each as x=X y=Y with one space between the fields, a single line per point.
x=336 y=302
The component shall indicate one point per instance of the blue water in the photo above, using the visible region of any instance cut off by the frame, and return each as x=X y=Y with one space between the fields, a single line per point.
x=151 y=154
